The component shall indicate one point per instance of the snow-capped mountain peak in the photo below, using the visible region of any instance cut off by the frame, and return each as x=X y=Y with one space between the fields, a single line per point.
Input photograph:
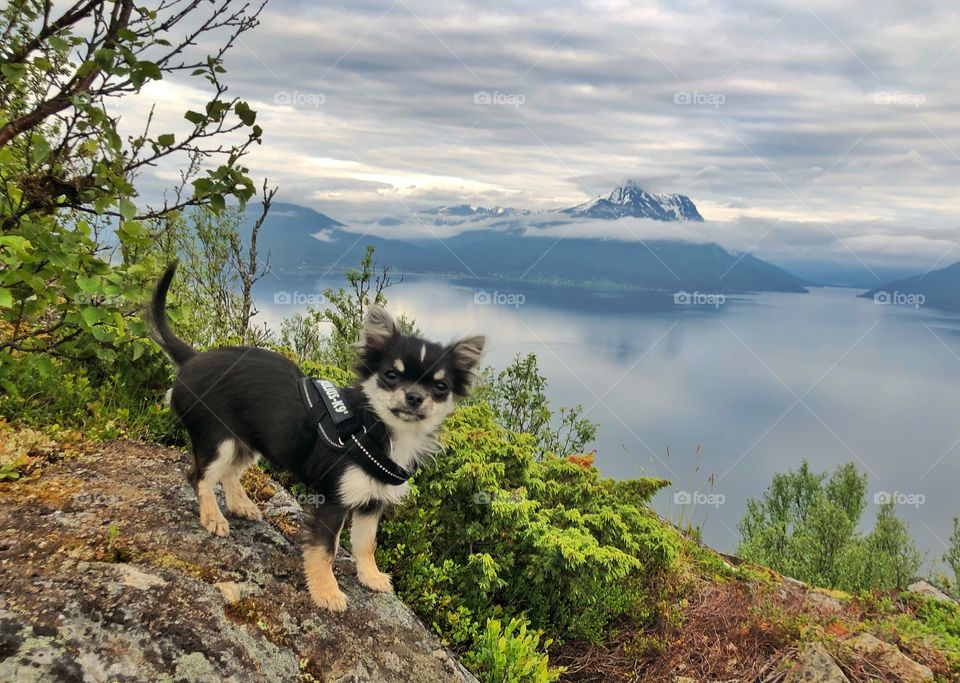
x=629 y=199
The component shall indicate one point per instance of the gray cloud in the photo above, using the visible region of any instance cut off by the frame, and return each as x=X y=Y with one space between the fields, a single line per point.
x=821 y=120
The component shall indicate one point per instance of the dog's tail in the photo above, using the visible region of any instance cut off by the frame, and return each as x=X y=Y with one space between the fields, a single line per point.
x=159 y=325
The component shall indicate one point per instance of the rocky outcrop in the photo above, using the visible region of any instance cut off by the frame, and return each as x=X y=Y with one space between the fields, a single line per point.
x=889 y=656
x=105 y=574
x=815 y=665
x=929 y=590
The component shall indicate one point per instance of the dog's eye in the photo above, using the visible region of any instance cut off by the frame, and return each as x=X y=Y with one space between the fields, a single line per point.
x=440 y=387
x=390 y=375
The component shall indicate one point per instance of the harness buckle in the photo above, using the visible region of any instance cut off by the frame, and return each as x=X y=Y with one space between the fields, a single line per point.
x=340 y=438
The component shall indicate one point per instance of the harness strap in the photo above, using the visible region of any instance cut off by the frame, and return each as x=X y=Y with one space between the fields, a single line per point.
x=330 y=418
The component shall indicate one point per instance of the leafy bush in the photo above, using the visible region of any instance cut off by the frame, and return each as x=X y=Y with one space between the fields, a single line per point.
x=76 y=249
x=805 y=526
x=490 y=531
x=517 y=396
x=952 y=556
x=102 y=400
x=509 y=654
x=934 y=622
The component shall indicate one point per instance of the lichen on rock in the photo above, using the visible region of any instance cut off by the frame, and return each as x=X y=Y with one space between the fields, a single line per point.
x=105 y=574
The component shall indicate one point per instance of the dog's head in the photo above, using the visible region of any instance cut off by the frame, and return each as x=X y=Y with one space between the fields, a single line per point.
x=409 y=381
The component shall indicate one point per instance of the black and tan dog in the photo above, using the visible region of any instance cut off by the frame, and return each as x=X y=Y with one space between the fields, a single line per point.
x=241 y=403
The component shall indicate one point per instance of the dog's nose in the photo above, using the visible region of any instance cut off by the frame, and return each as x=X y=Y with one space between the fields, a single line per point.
x=414 y=399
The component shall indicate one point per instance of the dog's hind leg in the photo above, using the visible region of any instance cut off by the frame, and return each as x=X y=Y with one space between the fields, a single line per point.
x=211 y=517
x=319 y=552
x=237 y=500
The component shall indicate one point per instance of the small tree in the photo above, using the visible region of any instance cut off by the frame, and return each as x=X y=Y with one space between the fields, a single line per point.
x=67 y=169
x=952 y=556
x=348 y=307
x=218 y=268
x=893 y=557
x=517 y=395
x=301 y=335
x=805 y=526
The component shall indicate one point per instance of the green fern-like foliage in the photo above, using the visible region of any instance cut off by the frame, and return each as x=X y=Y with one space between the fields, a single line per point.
x=491 y=530
x=509 y=653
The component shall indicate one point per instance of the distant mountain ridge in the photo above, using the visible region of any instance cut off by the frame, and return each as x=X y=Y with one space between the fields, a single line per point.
x=939 y=289
x=505 y=243
x=628 y=200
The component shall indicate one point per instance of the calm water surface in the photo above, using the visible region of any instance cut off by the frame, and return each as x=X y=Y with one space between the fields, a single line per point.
x=755 y=384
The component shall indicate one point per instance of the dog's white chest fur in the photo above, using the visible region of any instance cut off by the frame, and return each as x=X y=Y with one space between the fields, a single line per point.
x=409 y=443
x=357 y=488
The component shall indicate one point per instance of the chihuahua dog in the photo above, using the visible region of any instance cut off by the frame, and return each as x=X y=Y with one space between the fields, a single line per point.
x=240 y=403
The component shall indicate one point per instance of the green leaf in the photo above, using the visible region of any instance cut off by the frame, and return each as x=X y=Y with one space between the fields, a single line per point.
x=151 y=70
x=86 y=68
x=102 y=334
x=6 y=298
x=91 y=315
x=202 y=186
x=90 y=285
x=13 y=72
x=106 y=355
x=246 y=114
x=217 y=203
x=166 y=140
x=39 y=150
x=58 y=43
x=195 y=117
x=44 y=366
x=127 y=209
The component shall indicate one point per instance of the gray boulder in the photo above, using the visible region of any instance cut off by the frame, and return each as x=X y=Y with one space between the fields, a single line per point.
x=889 y=656
x=929 y=590
x=815 y=665
x=105 y=574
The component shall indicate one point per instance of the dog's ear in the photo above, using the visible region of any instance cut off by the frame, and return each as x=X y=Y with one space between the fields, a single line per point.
x=467 y=353
x=378 y=329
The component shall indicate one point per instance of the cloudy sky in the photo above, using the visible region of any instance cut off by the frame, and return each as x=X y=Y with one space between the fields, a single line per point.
x=801 y=129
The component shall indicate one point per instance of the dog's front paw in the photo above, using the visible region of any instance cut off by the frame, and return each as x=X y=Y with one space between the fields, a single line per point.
x=332 y=599
x=216 y=524
x=248 y=510
x=377 y=581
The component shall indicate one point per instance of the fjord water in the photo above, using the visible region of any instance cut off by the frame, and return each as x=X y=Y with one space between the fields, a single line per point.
x=757 y=382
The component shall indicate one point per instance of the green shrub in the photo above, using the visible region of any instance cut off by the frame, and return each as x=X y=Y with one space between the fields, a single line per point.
x=517 y=395
x=952 y=556
x=935 y=622
x=101 y=401
x=490 y=531
x=806 y=526
x=509 y=654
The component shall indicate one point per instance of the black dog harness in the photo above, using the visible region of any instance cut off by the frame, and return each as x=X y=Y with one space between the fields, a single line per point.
x=330 y=418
